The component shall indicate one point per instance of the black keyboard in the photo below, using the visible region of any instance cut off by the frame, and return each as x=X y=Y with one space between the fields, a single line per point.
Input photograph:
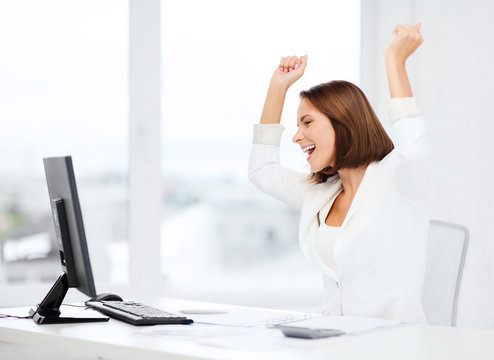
x=136 y=313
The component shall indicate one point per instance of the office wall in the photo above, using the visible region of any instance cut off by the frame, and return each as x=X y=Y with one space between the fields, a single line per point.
x=452 y=75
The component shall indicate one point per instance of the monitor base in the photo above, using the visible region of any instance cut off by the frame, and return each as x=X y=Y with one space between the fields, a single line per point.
x=45 y=320
x=48 y=311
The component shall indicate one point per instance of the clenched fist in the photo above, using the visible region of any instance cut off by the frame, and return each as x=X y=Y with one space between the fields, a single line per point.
x=407 y=39
x=290 y=69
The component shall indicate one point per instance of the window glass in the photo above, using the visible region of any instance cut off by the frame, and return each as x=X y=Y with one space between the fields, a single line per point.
x=63 y=92
x=219 y=232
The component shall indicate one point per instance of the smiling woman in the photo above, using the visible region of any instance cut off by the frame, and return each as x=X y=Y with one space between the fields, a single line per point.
x=363 y=222
x=357 y=137
x=315 y=135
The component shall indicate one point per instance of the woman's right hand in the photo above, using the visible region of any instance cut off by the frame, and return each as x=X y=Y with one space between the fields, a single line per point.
x=290 y=69
x=406 y=40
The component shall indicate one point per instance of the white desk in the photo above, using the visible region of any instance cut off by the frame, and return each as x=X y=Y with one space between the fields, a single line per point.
x=117 y=340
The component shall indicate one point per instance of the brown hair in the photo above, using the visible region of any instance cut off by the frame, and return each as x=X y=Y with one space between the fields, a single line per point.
x=359 y=136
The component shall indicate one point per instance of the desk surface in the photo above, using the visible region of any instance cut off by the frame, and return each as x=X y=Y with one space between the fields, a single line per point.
x=118 y=340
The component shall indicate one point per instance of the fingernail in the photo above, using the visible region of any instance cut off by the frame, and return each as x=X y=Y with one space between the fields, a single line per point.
x=296 y=66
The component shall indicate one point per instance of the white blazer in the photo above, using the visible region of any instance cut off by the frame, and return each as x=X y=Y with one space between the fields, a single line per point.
x=381 y=251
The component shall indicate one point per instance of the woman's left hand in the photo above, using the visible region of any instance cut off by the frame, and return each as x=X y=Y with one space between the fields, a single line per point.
x=407 y=39
x=290 y=69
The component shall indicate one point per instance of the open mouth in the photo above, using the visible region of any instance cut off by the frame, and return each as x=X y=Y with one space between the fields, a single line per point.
x=309 y=149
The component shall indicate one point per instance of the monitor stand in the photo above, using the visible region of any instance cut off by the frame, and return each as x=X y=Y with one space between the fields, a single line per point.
x=48 y=311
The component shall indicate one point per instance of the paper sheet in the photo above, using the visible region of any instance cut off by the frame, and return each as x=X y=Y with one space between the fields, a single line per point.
x=348 y=324
x=251 y=339
x=250 y=318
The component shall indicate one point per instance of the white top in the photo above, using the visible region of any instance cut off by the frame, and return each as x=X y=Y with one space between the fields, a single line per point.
x=326 y=236
x=382 y=247
x=325 y=240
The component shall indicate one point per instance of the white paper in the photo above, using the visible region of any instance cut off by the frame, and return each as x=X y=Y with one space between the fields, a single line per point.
x=250 y=318
x=252 y=339
x=348 y=324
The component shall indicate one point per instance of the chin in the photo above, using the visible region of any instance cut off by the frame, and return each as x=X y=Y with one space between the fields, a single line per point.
x=316 y=167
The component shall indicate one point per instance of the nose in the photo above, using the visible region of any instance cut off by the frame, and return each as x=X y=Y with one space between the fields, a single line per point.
x=298 y=136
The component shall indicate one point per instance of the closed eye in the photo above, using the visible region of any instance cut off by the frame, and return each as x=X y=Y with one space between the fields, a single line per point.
x=304 y=120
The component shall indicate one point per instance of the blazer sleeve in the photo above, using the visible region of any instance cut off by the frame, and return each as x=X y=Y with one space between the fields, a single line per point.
x=408 y=132
x=266 y=172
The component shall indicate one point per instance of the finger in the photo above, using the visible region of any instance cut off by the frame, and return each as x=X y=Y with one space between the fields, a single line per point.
x=417 y=28
x=286 y=64
x=397 y=29
x=400 y=29
x=298 y=63
x=413 y=29
x=280 y=66
x=415 y=32
x=303 y=62
x=291 y=63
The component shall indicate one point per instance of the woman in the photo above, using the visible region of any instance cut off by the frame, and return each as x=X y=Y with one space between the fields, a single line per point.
x=363 y=223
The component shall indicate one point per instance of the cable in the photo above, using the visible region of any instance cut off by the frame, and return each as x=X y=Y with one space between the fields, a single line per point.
x=3 y=316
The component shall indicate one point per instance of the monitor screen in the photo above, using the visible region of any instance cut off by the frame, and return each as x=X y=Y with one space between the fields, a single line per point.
x=74 y=255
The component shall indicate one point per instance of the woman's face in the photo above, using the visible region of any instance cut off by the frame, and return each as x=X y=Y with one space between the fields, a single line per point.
x=316 y=136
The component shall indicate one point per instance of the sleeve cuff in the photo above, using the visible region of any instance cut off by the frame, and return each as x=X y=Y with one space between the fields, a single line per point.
x=399 y=108
x=268 y=134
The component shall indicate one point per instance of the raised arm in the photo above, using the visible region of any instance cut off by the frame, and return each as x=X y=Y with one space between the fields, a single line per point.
x=406 y=40
x=265 y=170
x=408 y=126
x=289 y=70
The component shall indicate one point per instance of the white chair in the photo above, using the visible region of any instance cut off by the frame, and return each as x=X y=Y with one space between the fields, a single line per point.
x=448 y=245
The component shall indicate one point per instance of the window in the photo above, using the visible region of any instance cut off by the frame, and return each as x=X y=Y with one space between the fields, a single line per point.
x=219 y=232
x=63 y=92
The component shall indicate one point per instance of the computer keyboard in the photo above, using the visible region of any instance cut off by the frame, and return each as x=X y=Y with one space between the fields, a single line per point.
x=136 y=313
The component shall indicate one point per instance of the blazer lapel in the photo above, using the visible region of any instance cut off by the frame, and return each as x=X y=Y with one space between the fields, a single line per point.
x=309 y=223
x=360 y=194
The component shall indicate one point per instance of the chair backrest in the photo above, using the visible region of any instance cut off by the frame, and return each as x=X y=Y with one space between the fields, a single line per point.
x=448 y=245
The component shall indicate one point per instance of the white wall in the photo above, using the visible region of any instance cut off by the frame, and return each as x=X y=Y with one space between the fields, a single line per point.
x=452 y=75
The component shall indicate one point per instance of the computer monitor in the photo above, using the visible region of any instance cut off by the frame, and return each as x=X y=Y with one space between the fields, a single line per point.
x=72 y=246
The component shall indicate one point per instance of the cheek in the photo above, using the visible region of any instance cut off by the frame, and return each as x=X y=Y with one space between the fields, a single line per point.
x=329 y=153
x=329 y=144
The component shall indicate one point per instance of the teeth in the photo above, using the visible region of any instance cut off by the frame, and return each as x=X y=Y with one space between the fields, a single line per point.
x=307 y=148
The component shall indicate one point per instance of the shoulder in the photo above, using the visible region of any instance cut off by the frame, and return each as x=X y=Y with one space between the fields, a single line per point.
x=318 y=194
